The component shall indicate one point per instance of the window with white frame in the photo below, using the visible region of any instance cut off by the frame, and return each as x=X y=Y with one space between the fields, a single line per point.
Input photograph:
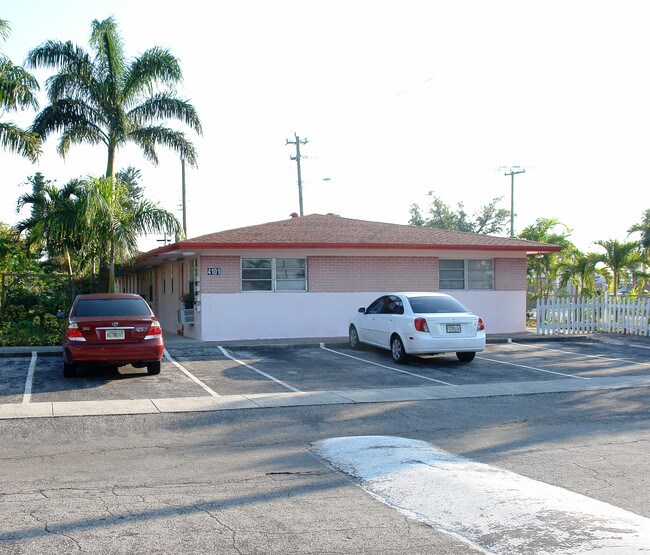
x=466 y=274
x=273 y=274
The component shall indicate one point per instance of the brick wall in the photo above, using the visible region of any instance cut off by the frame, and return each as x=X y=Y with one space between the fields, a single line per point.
x=509 y=274
x=229 y=281
x=335 y=274
x=371 y=273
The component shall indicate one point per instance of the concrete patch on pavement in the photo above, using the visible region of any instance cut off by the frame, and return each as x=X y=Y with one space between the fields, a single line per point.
x=493 y=510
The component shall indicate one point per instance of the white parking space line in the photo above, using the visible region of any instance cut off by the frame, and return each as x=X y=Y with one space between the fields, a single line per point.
x=583 y=355
x=280 y=382
x=534 y=368
x=322 y=346
x=190 y=375
x=27 y=396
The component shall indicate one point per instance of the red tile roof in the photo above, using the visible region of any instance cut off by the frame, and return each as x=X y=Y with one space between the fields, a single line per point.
x=334 y=232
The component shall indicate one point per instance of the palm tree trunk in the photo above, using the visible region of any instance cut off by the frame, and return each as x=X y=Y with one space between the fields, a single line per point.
x=69 y=261
x=110 y=165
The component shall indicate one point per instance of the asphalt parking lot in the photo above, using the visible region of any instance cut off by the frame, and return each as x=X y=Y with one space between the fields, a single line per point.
x=197 y=376
x=160 y=463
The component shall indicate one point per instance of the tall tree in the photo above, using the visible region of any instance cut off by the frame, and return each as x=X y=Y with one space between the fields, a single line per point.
x=114 y=219
x=87 y=217
x=52 y=222
x=489 y=220
x=580 y=270
x=620 y=258
x=541 y=267
x=111 y=100
x=130 y=178
x=18 y=90
x=14 y=256
x=644 y=229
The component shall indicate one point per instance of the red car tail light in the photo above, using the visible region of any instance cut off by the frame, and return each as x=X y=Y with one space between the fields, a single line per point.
x=481 y=324
x=421 y=325
x=155 y=331
x=73 y=333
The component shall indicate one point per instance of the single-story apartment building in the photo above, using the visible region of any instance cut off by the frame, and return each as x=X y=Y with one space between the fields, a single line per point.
x=306 y=276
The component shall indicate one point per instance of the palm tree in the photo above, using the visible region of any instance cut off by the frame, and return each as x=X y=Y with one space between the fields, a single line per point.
x=544 y=266
x=17 y=91
x=580 y=270
x=111 y=100
x=111 y=216
x=644 y=229
x=620 y=258
x=51 y=224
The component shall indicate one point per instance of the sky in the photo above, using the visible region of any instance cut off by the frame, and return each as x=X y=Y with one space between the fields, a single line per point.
x=396 y=99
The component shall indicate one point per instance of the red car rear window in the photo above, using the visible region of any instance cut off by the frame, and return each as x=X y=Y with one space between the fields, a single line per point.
x=111 y=307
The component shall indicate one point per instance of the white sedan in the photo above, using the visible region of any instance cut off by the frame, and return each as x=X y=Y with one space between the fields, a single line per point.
x=417 y=324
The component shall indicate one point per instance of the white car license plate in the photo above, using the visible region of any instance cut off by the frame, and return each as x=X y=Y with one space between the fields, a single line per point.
x=453 y=328
x=114 y=334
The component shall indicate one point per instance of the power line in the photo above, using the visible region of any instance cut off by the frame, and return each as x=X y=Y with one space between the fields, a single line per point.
x=298 y=142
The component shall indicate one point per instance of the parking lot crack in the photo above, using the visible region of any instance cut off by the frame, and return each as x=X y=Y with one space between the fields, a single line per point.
x=46 y=527
x=297 y=473
x=233 y=533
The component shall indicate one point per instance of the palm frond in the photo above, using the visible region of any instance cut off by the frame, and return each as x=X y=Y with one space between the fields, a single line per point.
x=53 y=53
x=165 y=106
x=109 y=59
x=73 y=85
x=155 y=66
x=17 y=87
x=5 y=29
x=150 y=137
x=74 y=135
x=67 y=114
x=24 y=143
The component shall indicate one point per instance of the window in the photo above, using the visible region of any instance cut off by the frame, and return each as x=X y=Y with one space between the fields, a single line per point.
x=377 y=306
x=273 y=274
x=192 y=275
x=436 y=305
x=111 y=307
x=466 y=274
x=393 y=305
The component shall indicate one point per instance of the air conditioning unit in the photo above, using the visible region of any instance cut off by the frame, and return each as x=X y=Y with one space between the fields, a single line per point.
x=186 y=316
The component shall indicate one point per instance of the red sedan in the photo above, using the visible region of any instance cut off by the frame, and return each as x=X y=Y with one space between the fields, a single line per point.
x=114 y=329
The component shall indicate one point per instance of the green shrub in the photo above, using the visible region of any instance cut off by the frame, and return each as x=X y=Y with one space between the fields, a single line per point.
x=29 y=317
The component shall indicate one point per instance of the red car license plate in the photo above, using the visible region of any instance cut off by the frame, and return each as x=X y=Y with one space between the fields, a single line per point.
x=453 y=328
x=114 y=334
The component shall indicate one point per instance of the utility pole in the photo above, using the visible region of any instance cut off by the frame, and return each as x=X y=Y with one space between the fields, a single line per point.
x=512 y=174
x=298 y=142
x=183 y=196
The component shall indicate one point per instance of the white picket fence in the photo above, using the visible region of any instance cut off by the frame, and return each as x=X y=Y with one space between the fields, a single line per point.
x=569 y=315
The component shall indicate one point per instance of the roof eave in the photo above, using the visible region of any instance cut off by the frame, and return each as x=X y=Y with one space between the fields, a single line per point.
x=189 y=246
